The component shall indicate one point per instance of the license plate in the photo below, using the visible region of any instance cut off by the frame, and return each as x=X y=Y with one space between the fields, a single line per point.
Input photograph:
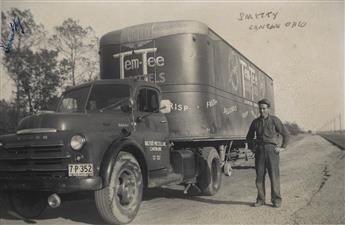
x=80 y=170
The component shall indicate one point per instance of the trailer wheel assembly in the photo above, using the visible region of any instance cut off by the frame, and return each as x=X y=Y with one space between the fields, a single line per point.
x=28 y=204
x=119 y=202
x=210 y=178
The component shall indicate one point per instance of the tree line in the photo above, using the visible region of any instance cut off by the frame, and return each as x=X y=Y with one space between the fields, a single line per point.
x=293 y=128
x=43 y=64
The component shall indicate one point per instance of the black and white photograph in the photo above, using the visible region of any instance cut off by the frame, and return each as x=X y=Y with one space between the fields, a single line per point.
x=172 y=112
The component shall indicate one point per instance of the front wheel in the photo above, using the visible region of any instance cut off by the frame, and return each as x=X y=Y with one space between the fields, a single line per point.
x=210 y=178
x=28 y=204
x=119 y=202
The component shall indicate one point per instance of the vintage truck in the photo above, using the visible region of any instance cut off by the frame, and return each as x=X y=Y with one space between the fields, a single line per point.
x=172 y=98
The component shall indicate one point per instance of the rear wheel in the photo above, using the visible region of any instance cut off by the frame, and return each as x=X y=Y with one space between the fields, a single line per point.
x=210 y=178
x=119 y=202
x=28 y=204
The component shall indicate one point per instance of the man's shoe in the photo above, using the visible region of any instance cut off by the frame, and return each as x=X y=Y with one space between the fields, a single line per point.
x=277 y=204
x=258 y=204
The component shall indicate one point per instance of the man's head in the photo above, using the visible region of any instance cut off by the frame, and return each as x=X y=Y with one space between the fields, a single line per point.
x=264 y=105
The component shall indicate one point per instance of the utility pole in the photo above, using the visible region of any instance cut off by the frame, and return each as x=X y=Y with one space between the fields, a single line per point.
x=340 y=122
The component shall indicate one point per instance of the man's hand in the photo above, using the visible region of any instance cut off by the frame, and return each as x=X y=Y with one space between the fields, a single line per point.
x=279 y=149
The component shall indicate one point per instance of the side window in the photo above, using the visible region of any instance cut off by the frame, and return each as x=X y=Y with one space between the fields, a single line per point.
x=147 y=100
x=70 y=105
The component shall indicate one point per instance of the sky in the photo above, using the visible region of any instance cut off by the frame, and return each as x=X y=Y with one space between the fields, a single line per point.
x=302 y=48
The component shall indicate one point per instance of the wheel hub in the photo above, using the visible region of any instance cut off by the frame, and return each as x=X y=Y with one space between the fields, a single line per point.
x=126 y=188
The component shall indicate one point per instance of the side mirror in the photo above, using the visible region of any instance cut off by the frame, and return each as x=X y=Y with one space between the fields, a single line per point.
x=165 y=106
x=127 y=106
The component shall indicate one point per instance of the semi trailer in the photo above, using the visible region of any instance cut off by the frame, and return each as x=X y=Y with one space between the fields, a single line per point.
x=173 y=98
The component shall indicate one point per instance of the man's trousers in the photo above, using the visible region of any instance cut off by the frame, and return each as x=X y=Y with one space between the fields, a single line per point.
x=267 y=158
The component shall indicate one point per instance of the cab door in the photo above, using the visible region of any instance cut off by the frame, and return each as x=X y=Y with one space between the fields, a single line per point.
x=153 y=127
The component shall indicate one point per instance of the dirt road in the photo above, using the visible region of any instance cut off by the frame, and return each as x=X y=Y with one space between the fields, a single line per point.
x=312 y=183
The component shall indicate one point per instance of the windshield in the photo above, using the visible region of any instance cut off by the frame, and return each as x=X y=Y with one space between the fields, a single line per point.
x=74 y=101
x=107 y=97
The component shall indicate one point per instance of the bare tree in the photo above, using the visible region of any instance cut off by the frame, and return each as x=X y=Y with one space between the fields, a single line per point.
x=77 y=46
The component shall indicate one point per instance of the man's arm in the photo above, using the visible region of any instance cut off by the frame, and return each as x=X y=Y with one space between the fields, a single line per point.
x=250 y=136
x=281 y=129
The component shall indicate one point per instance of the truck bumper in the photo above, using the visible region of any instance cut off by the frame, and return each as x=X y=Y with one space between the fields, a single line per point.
x=59 y=185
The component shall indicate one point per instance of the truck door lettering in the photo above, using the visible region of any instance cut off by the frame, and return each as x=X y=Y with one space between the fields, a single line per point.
x=155 y=149
x=155 y=143
x=156 y=157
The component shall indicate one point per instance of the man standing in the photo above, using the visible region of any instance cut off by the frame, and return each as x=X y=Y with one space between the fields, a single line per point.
x=263 y=135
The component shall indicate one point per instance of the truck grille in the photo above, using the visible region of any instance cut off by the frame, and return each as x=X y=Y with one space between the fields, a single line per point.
x=34 y=160
x=26 y=174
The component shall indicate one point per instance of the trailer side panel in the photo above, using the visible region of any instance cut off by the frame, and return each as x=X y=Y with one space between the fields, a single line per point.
x=213 y=88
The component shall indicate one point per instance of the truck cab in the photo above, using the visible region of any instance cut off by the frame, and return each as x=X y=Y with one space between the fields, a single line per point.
x=74 y=148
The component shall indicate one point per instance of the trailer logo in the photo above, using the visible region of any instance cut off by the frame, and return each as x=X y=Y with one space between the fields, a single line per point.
x=233 y=69
x=249 y=80
x=228 y=111
x=140 y=58
x=179 y=107
x=253 y=82
x=211 y=103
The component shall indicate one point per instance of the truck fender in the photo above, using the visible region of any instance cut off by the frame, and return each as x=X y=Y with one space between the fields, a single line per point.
x=110 y=155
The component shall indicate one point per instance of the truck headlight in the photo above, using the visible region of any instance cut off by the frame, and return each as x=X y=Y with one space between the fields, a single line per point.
x=77 y=142
x=1 y=144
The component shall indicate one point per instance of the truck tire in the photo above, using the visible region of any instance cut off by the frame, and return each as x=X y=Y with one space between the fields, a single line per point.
x=28 y=204
x=210 y=178
x=119 y=202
